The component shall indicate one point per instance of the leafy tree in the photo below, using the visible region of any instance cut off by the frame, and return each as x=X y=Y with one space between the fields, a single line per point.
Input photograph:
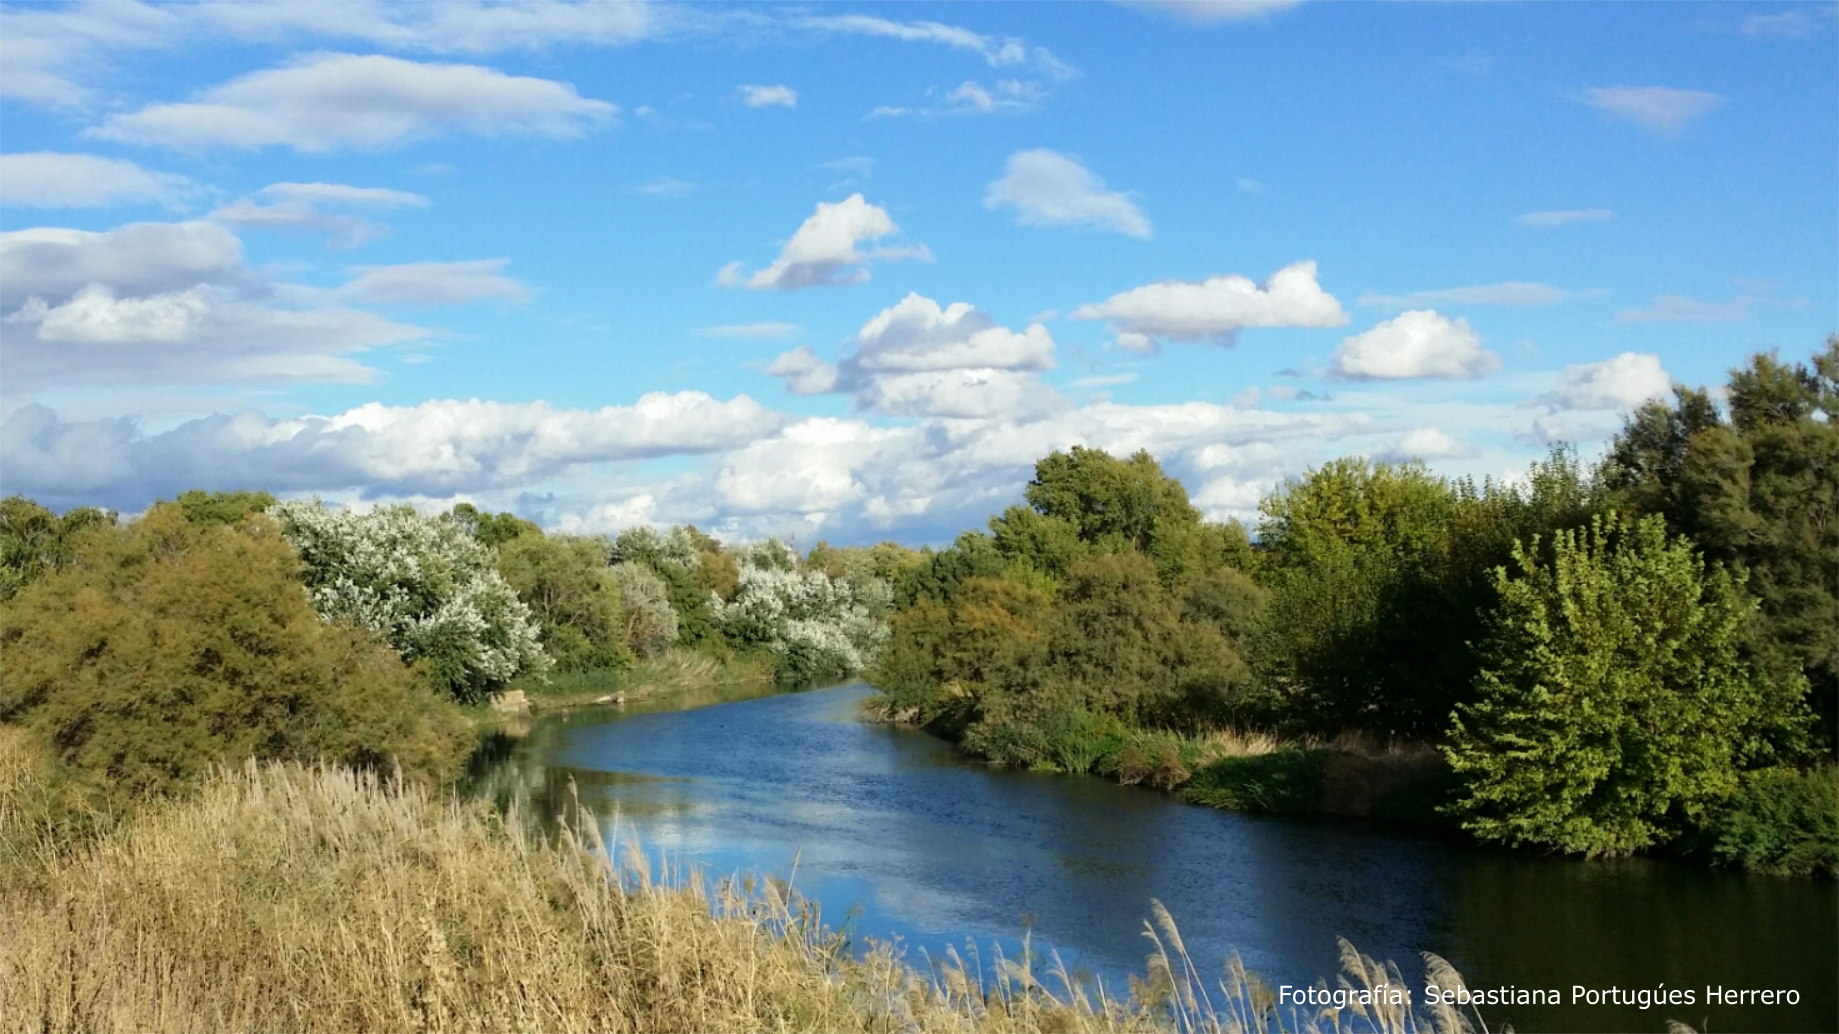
x=938 y=575
x=695 y=570
x=650 y=621
x=424 y=585
x=491 y=529
x=572 y=593
x=1381 y=577
x=170 y=646
x=1759 y=491
x=1112 y=504
x=815 y=626
x=1614 y=704
x=230 y=508
x=35 y=541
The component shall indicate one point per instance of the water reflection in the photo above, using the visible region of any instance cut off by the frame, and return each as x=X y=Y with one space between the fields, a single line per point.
x=935 y=851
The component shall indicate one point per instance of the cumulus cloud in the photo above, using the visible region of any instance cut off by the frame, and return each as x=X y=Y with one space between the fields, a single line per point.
x=769 y=96
x=47 y=179
x=1419 y=343
x=1624 y=382
x=918 y=359
x=435 y=448
x=166 y=303
x=1215 y=309
x=1050 y=189
x=1513 y=293
x=1545 y=220
x=824 y=251
x=304 y=207
x=435 y=283
x=330 y=102
x=1214 y=12
x=1662 y=109
x=1424 y=443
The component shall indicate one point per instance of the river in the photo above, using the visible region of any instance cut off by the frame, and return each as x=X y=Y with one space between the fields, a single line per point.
x=896 y=835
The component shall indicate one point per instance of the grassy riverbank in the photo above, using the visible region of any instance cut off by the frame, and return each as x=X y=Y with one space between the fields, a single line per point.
x=282 y=897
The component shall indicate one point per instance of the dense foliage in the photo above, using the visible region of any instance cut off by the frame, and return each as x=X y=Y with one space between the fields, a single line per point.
x=170 y=645
x=1615 y=706
x=423 y=584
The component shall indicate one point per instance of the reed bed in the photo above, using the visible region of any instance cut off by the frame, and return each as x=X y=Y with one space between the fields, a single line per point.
x=289 y=898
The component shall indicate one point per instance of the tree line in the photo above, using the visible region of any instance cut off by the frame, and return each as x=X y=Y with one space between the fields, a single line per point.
x=1611 y=657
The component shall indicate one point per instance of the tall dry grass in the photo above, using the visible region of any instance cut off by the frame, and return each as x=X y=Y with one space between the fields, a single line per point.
x=284 y=898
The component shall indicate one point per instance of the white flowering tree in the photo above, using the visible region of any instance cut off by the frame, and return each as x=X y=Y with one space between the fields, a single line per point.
x=424 y=585
x=818 y=628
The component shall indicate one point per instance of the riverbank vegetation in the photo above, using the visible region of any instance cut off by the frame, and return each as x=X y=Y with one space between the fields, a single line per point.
x=1641 y=654
x=287 y=897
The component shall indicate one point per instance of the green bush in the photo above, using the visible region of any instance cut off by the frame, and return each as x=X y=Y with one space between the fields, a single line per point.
x=1782 y=821
x=1288 y=780
x=1615 y=702
x=168 y=647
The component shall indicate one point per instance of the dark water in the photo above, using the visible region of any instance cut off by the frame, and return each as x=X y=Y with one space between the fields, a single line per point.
x=896 y=835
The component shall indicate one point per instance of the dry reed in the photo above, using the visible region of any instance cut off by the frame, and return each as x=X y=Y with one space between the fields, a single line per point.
x=284 y=898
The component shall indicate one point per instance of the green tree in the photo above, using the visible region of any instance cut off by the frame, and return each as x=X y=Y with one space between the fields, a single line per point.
x=491 y=529
x=170 y=646
x=1614 y=704
x=1759 y=491
x=35 y=541
x=230 y=508
x=572 y=593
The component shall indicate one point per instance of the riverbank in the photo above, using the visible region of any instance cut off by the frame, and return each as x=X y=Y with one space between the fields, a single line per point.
x=1351 y=775
x=282 y=897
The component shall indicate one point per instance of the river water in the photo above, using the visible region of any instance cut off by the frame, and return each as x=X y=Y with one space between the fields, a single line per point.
x=894 y=834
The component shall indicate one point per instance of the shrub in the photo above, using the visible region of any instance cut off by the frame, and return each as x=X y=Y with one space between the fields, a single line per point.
x=423 y=584
x=816 y=627
x=1288 y=780
x=573 y=594
x=169 y=647
x=1782 y=821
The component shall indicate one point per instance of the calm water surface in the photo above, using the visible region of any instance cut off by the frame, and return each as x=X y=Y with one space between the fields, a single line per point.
x=894 y=833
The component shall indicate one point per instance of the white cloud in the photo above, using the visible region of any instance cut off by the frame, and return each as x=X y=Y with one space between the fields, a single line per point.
x=1624 y=382
x=1215 y=309
x=1424 y=443
x=309 y=106
x=1419 y=343
x=1786 y=24
x=1247 y=185
x=918 y=359
x=1004 y=97
x=1052 y=190
x=95 y=315
x=436 y=448
x=665 y=186
x=300 y=206
x=1662 y=109
x=167 y=303
x=1005 y=52
x=824 y=250
x=769 y=96
x=750 y=331
x=435 y=283
x=1214 y=12
x=1565 y=216
x=1673 y=308
x=1512 y=293
x=46 y=179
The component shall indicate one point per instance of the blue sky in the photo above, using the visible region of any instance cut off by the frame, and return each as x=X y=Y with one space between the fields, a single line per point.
x=844 y=271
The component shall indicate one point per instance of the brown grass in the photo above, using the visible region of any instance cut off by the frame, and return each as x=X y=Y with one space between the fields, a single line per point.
x=284 y=898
